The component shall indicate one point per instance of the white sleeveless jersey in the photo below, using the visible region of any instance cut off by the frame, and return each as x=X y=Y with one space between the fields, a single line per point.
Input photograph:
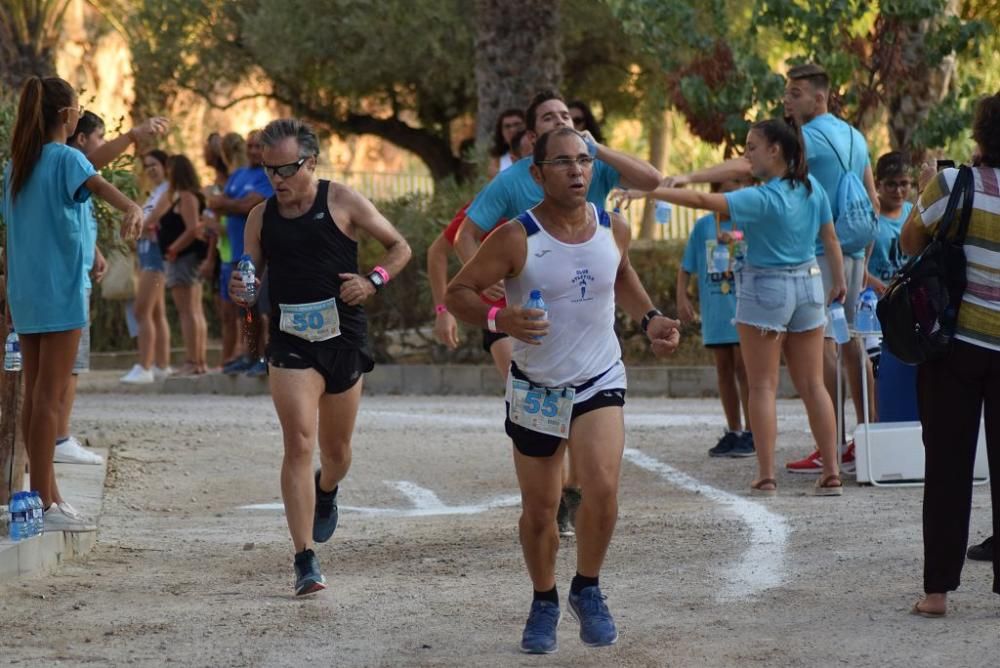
x=577 y=282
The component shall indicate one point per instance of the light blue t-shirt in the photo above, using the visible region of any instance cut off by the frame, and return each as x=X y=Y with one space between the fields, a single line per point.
x=822 y=158
x=513 y=191
x=781 y=221
x=887 y=257
x=716 y=291
x=45 y=243
x=242 y=182
x=89 y=241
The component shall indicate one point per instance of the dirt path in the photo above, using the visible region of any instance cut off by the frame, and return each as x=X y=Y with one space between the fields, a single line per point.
x=427 y=571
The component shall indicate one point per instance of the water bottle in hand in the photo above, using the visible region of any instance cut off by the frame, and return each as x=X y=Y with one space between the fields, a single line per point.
x=535 y=301
x=12 y=353
x=865 y=319
x=720 y=258
x=838 y=322
x=248 y=274
x=662 y=212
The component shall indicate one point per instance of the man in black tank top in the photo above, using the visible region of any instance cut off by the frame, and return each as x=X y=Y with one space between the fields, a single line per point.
x=306 y=235
x=585 y=414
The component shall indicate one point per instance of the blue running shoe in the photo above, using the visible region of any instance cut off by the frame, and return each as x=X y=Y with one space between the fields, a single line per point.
x=744 y=446
x=539 y=635
x=257 y=369
x=597 y=627
x=308 y=579
x=325 y=515
x=237 y=366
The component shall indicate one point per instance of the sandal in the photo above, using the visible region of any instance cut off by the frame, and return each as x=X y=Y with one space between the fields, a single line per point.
x=929 y=614
x=830 y=485
x=758 y=488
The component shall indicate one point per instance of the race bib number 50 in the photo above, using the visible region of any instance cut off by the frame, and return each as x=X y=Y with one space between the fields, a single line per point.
x=318 y=321
x=547 y=410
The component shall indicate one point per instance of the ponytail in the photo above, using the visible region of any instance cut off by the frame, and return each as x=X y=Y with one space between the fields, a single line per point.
x=788 y=135
x=37 y=115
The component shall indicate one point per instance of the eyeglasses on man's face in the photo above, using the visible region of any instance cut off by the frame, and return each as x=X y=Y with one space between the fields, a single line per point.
x=566 y=164
x=285 y=171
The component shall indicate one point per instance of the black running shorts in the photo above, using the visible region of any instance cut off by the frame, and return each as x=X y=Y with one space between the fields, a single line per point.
x=341 y=368
x=535 y=444
x=489 y=338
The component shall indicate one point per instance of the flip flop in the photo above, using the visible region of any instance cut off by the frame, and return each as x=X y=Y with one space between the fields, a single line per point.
x=830 y=485
x=917 y=610
x=757 y=488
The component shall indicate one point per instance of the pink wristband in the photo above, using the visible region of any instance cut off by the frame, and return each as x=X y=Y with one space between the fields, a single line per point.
x=440 y=308
x=383 y=273
x=491 y=319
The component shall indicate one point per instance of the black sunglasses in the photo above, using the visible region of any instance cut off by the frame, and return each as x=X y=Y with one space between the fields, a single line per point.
x=285 y=171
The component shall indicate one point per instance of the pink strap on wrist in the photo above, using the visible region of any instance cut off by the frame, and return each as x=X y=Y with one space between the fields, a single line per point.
x=491 y=319
x=440 y=308
x=383 y=273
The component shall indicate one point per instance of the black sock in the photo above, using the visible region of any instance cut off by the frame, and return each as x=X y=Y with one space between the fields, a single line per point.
x=581 y=582
x=320 y=490
x=303 y=555
x=552 y=596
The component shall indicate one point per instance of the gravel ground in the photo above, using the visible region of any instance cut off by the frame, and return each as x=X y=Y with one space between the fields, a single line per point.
x=426 y=570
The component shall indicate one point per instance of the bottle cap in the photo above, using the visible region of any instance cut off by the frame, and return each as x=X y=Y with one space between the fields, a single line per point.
x=535 y=294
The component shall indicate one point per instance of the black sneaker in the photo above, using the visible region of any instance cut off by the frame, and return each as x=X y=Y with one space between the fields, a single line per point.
x=744 y=446
x=982 y=552
x=308 y=579
x=725 y=445
x=325 y=515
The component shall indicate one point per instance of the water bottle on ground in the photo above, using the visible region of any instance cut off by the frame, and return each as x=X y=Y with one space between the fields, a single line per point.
x=39 y=513
x=865 y=319
x=838 y=321
x=19 y=527
x=662 y=212
x=535 y=301
x=12 y=353
x=720 y=258
x=248 y=274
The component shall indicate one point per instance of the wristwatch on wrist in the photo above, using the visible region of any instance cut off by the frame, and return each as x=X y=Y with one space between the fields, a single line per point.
x=649 y=316
x=377 y=280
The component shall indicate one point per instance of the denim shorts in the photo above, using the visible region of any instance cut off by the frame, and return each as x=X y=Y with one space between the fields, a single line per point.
x=788 y=299
x=150 y=257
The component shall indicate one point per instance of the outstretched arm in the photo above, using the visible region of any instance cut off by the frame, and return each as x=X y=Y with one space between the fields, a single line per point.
x=103 y=155
x=730 y=170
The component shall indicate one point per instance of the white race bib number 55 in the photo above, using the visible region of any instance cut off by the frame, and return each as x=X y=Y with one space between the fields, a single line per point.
x=547 y=410
x=318 y=321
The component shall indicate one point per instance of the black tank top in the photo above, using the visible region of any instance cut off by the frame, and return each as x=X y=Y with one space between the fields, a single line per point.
x=304 y=256
x=172 y=227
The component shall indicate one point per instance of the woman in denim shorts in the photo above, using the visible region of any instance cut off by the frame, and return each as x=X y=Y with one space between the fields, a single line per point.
x=780 y=306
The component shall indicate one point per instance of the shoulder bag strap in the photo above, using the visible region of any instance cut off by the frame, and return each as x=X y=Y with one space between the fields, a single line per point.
x=970 y=193
x=957 y=189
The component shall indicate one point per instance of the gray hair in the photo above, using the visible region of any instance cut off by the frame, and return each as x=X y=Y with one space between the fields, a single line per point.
x=283 y=128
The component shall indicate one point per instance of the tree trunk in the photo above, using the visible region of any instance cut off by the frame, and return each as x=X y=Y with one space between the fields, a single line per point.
x=12 y=453
x=659 y=141
x=518 y=53
x=29 y=34
x=911 y=97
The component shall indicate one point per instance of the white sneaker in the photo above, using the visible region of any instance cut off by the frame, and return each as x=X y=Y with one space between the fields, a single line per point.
x=62 y=517
x=71 y=452
x=162 y=374
x=138 y=376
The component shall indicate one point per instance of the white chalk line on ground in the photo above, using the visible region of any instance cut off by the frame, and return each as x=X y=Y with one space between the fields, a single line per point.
x=762 y=565
x=425 y=504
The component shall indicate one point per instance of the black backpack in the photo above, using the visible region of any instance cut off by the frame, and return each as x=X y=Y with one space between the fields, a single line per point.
x=919 y=309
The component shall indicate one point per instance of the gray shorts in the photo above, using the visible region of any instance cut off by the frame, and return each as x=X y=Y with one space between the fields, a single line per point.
x=854 y=276
x=82 y=362
x=183 y=270
x=788 y=299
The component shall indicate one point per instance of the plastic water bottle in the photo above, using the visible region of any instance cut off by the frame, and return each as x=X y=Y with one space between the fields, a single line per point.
x=662 y=212
x=248 y=274
x=12 y=353
x=19 y=526
x=39 y=513
x=839 y=322
x=865 y=319
x=535 y=301
x=720 y=258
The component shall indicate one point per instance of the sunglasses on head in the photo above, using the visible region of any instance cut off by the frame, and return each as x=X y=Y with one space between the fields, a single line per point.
x=285 y=171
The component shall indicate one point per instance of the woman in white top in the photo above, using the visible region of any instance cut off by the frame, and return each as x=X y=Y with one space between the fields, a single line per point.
x=509 y=123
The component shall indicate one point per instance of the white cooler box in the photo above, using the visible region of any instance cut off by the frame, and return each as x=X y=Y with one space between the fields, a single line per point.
x=897 y=455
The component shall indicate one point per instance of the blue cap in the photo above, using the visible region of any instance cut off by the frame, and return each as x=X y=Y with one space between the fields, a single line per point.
x=535 y=294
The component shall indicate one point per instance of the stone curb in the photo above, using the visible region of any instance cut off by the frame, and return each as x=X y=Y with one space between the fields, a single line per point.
x=83 y=486
x=429 y=379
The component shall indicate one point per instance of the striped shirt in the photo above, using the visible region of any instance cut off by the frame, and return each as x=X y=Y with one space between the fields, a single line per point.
x=979 y=316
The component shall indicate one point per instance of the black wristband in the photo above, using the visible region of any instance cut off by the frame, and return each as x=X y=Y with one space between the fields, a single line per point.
x=649 y=316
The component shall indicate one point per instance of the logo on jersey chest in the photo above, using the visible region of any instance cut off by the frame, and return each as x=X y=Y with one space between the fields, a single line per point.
x=582 y=281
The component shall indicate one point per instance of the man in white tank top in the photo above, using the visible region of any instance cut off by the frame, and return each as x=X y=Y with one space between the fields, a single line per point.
x=566 y=386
